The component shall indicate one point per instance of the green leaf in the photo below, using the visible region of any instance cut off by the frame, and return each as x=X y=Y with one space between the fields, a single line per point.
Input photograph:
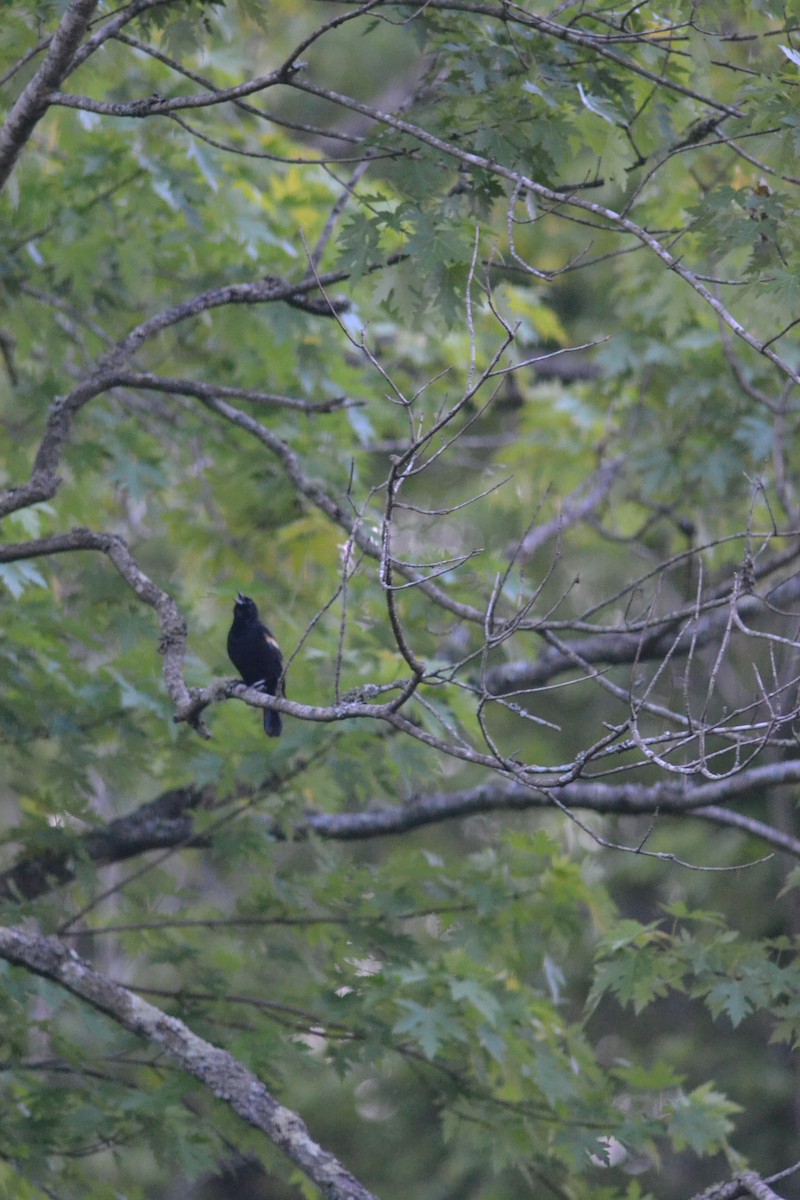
x=430 y=1026
x=701 y=1120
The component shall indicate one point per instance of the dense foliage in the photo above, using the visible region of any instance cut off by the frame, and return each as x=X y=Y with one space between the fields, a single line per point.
x=462 y=337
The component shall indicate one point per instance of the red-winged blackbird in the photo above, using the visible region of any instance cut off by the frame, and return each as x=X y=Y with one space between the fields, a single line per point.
x=257 y=657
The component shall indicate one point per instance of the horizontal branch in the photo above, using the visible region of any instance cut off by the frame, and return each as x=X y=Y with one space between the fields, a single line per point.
x=616 y=649
x=167 y=821
x=149 y=106
x=327 y=714
x=146 y=381
x=225 y=1077
x=160 y=824
x=499 y=795
x=186 y=72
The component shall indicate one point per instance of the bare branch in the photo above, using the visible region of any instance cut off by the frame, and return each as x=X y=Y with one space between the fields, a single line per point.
x=618 y=647
x=190 y=387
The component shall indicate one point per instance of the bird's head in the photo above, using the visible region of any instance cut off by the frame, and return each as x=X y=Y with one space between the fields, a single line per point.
x=244 y=609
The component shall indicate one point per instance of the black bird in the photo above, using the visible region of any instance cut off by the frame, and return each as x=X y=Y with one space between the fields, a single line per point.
x=257 y=657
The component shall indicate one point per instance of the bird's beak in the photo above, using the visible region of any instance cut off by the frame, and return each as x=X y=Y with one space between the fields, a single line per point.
x=239 y=597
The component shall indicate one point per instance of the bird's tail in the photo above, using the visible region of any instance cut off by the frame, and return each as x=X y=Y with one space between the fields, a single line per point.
x=273 y=725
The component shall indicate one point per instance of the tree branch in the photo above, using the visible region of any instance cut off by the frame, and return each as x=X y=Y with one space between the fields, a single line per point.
x=564 y=199
x=33 y=102
x=145 y=381
x=224 y=1076
x=172 y=642
x=158 y=825
x=167 y=821
x=44 y=482
x=616 y=648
